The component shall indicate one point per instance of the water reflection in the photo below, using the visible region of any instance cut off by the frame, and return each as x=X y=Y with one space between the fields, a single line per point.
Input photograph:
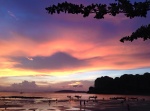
x=60 y=102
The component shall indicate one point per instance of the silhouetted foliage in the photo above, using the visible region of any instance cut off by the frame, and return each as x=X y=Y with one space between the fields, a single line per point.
x=137 y=9
x=142 y=32
x=126 y=84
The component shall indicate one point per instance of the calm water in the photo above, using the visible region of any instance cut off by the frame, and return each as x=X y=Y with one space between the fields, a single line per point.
x=62 y=96
x=49 y=103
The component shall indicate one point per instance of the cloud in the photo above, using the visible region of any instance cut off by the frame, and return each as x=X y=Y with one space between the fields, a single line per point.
x=25 y=85
x=12 y=15
x=76 y=84
x=42 y=86
x=29 y=58
x=96 y=59
x=56 y=61
x=82 y=85
x=40 y=41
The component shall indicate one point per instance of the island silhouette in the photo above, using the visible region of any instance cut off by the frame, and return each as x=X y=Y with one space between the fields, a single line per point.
x=126 y=84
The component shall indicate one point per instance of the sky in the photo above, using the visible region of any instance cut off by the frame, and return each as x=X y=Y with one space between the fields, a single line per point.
x=65 y=51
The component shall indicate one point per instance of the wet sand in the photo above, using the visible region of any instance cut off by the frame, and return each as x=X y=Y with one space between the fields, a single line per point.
x=75 y=105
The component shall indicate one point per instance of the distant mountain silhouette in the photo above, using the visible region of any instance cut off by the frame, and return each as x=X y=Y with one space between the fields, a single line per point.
x=70 y=91
x=126 y=84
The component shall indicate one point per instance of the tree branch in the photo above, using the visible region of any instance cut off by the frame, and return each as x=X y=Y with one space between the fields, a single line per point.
x=137 y=9
x=142 y=32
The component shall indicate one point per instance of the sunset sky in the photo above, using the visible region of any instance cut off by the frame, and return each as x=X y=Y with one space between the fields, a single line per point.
x=65 y=51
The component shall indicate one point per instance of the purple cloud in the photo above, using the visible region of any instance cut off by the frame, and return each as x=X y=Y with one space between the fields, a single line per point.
x=24 y=85
x=59 y=60
x=32 y=86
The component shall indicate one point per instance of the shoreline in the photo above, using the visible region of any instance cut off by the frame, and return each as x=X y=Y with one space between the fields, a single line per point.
x=46 y=104
x=136 y=94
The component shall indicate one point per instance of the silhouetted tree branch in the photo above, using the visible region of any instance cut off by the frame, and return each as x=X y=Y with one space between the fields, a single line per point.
x=142 y=32
x=137 y=9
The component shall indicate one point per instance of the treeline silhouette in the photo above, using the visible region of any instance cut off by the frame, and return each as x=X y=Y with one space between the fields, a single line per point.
x=126 y=84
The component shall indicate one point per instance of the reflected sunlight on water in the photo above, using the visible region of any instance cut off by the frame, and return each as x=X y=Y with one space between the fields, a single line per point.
x=62 y=96
x=60 y=101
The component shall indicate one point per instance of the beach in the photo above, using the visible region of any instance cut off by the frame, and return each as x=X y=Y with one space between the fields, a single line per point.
x=24 y=103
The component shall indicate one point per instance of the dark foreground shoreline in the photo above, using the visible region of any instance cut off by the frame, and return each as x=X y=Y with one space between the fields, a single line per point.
x=77 y=105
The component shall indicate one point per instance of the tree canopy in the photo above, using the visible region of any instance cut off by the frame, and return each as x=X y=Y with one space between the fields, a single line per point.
x=131 y=10
x=125 y=84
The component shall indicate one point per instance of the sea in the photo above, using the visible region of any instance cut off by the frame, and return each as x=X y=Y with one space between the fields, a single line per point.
x=53 y=101
x=63 y=96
